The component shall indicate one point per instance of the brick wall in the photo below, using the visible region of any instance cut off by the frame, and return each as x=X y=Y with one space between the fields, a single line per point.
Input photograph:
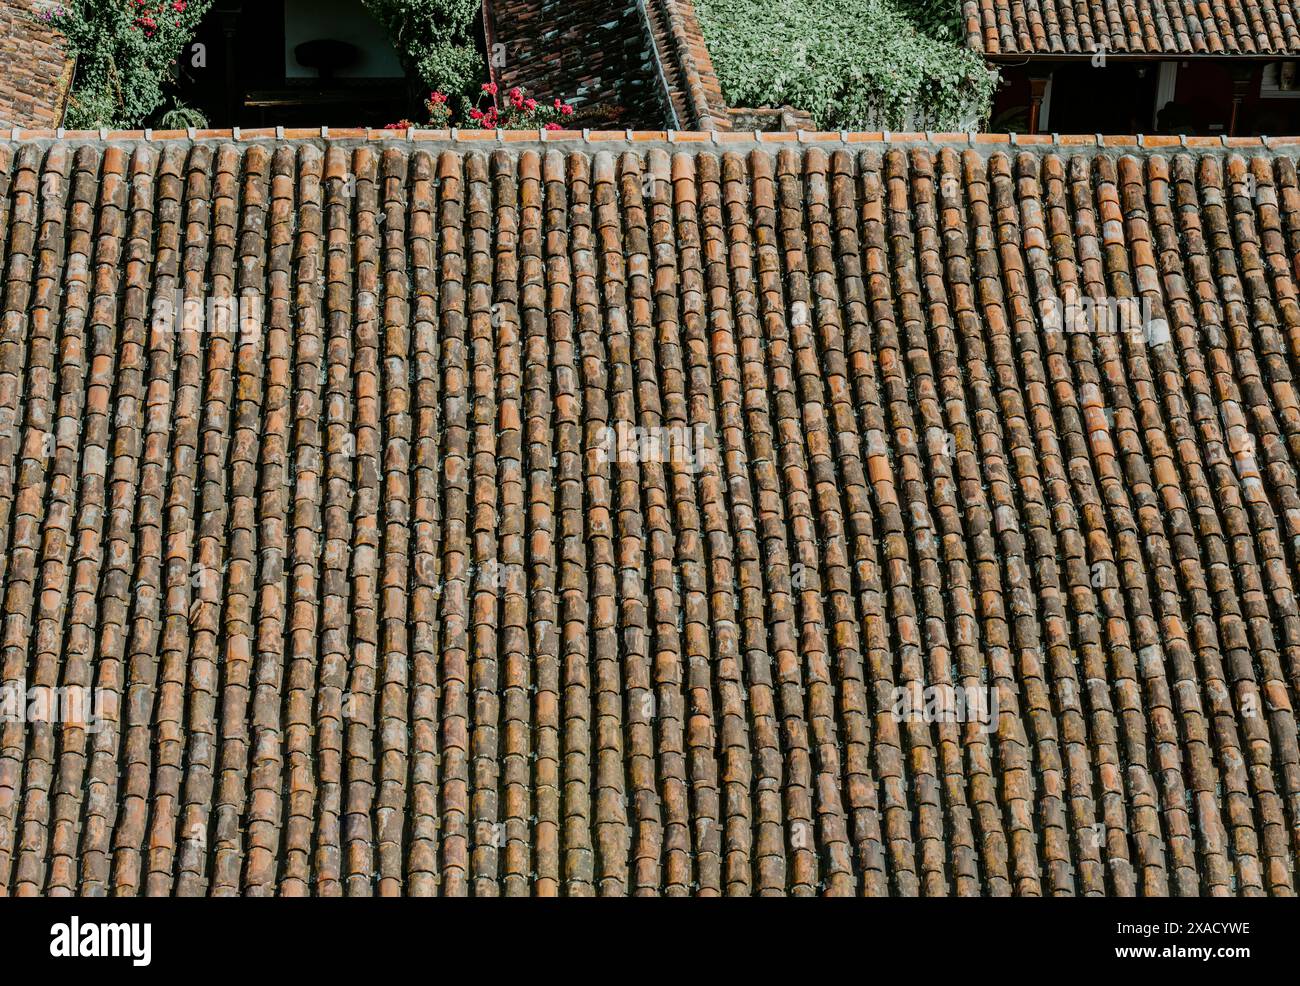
x=32 y=65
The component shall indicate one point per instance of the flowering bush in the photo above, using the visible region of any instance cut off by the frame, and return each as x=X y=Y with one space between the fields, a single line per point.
x=520 y=112
x=126 y=55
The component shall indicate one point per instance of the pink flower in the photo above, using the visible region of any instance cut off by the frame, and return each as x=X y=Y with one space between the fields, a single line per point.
x=530 y=105
x=566 y=109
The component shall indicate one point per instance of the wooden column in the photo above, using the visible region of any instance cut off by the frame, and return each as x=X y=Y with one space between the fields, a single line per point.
x=1037 y=90
x=1241 y=80
x=228 y=11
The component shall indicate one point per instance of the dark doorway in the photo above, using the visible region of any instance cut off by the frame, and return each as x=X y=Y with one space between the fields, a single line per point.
x=1117 y=98
x=293 y=63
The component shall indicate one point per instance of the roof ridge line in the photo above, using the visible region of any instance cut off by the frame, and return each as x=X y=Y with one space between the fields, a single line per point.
x=676 y=138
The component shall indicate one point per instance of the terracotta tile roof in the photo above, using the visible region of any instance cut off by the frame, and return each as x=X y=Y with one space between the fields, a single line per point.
x=36 y=72
x=373 y=603
x=1150 y=27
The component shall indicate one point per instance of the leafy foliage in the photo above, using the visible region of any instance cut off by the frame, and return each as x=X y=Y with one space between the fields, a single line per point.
x=853 y=64
x=434 y=39
x=126 y=56
x=938 y=18
x=181 y=116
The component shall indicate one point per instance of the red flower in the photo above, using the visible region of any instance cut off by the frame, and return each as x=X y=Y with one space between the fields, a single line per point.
x=565 y=109
x=490 y=88
x=476 y=114
x=530 y=105
x=438 y=97
x=551 y=126
x=179 y=7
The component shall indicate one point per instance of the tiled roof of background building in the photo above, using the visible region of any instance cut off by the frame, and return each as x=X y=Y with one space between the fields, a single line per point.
x=687 y=68
x=36 y=72
x=592 y=53
x=375 y=606
x=1150 y=27
x=637 y=63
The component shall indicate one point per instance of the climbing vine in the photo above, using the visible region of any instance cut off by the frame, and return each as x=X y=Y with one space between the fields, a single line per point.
x=938 y=18
x=434 y=40
x=127 y=54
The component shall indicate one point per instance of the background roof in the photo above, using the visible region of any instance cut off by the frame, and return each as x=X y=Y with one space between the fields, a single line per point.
x=1150 y=27
x=634 y=64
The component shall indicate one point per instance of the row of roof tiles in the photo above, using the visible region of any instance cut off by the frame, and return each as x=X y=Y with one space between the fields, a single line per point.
x=684 y=138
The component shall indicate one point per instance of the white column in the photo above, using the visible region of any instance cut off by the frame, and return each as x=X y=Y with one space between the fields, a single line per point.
x=1166 y=83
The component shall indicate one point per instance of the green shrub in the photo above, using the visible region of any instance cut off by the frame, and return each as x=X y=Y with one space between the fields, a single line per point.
x=434 y=40
x=852 y=64
x=126 y=56
x=180 y=116
x=938 y=18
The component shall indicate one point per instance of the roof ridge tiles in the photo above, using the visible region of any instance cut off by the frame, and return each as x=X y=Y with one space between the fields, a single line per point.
x=676 y=139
